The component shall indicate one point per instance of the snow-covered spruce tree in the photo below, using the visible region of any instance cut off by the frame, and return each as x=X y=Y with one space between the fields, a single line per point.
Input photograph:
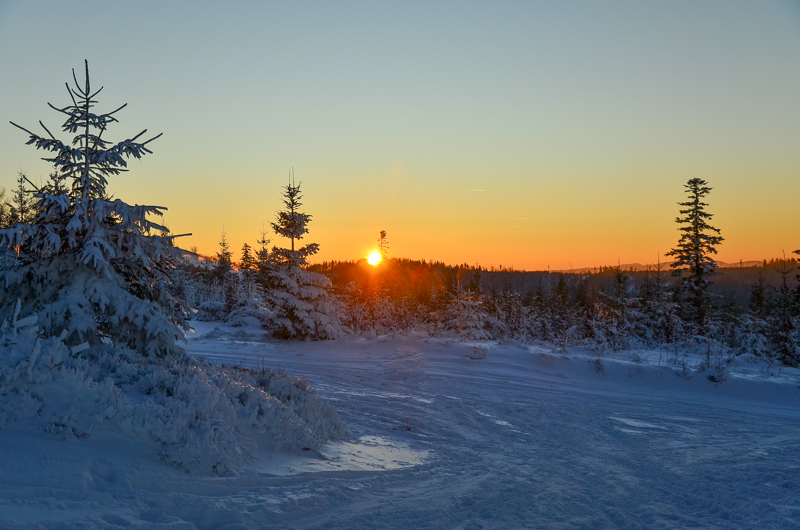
x=92 y=268
x=465 y=315
x=303 y=308
x=228 y=279
x=248 y=262
x=224 y=263
x=693 y=253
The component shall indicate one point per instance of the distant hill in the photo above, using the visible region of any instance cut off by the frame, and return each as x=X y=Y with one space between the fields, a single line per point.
x=640 y=267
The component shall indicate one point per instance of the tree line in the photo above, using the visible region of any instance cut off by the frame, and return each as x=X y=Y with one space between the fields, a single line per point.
x=95 y=269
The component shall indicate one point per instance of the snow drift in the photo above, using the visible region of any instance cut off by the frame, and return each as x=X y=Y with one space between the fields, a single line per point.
x=201 y=418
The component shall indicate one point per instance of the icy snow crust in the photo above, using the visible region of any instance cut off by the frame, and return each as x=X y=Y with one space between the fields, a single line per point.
x=448 y=434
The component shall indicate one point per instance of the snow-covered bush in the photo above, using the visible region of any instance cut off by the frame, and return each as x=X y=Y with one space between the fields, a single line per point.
x=211 y=311
x=465 y=317
x=201 y=418
x=303 y=308
x=7 y=258
x=250 y=312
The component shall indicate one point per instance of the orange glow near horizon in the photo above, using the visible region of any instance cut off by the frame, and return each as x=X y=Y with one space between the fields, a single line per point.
x=467 y=145
x=374 y=259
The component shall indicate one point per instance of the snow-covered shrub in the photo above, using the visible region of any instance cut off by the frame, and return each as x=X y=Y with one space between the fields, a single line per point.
x=250 y=312
x=200 y=417
x=26 y=360
x=748 y=334
x=302 y=306
x=510 y=318
x=465 y=317
x=207 y=418
x=211 y=311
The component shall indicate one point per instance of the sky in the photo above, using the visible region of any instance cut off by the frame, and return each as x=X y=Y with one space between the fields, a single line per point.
x=526 y=134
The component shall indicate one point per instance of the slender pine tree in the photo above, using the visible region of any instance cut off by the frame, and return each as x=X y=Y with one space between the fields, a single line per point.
x=22 y=201
x=383 y=246
x=224 y=257
x=693 y=253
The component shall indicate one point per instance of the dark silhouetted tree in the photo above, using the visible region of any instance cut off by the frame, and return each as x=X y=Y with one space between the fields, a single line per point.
x=21 y=208
x=224 y=257
x=383 y=246
x=758 y=297
x=693 y=262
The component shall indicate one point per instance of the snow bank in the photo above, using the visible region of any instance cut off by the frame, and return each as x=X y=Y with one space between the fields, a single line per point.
x=201 y=418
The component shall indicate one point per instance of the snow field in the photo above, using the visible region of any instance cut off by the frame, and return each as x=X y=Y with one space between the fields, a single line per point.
x=201 y=418
x=450 y=434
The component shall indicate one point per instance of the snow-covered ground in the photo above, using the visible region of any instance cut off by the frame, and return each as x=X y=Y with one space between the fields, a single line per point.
x=449 y=434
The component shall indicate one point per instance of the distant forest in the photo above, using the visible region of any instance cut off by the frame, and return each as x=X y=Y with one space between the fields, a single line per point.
x=733 y=283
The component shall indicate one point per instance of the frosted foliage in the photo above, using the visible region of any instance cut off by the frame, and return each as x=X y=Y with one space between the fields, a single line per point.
x=303 y=308
x=211 y=311
x=250 y=312
x=373 y=316
x=465 y=316
x=291 y=224
x=199 y=417
x=91 y=266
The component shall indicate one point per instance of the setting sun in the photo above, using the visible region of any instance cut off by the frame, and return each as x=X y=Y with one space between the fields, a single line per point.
x=374 y=258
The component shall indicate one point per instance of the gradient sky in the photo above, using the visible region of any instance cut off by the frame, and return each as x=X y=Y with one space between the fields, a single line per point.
x=527 y=134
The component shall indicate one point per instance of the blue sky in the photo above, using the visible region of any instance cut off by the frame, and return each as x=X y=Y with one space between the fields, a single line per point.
x=580 y=120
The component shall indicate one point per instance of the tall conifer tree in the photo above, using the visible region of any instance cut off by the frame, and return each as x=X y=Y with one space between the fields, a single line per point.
x=695 y=246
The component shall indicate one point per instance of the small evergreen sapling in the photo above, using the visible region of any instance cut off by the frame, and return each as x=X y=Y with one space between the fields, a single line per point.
x=92 y=268
x=247 y=271
x=248 y=262
x=224 y=258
